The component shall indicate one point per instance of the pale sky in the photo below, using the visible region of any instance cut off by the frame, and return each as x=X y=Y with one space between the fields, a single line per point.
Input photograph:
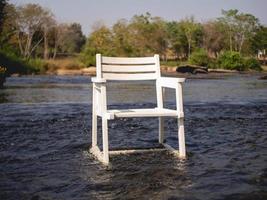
x=87 y=12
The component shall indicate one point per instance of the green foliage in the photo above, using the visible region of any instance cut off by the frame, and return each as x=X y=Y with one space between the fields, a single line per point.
x=199 y=57
x=2 y=13
x=253 y=64
x=238 y=27
x=36 y=66
x=87 y=56
x=169 y=63
x=259 y=41
x=231 y=60
x=14 y=64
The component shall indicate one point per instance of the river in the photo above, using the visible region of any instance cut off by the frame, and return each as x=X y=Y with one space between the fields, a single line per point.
x=45 y=134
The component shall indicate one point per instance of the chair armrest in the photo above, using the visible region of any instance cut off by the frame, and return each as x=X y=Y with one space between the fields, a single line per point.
x=169 y=82
x=98 y=80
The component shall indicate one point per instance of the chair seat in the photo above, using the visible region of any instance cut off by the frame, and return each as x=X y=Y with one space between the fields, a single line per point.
x=151 y=112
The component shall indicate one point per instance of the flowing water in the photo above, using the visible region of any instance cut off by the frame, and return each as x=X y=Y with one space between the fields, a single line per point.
x=45 y=134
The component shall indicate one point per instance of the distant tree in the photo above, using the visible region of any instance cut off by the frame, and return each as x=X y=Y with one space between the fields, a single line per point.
x=3 y=3
x=70 y=38
x=177 y=41
x=259 y=41
x=30 y=19
x=191 y=28
x=122 y=38
x=140 y=28
x=48 y=24
x=99 y=41
x=213 y=38
x=239 y=27
x=159 y=37
x=148 y=34
x=8 y=36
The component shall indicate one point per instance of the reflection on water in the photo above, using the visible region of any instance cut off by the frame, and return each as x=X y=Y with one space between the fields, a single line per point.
x=45 y=136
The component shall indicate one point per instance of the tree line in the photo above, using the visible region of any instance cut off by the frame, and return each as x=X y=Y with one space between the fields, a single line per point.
x=146 y=35
x=31 y=31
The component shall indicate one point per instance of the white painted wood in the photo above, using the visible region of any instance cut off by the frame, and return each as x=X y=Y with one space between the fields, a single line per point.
x=140 y=76
x=128 y=68
x=179 y=98
x=94 y=118
x=134 y=151
x=145 y=68
x=179 y=106
x=98 y=80
x=153 y=112
x=159 y=91
x=105 y=140
x=98 y=66
x=156 y=58
x=169 y=82
x=172 y=150
x=181 y=138
x=97 y=154
x=161 y=130
x=128 y=61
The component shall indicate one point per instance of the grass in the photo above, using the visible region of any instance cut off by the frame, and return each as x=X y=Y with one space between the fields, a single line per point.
x=64 y=63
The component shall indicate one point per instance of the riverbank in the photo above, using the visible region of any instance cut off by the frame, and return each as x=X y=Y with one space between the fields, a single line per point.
x=166 y=71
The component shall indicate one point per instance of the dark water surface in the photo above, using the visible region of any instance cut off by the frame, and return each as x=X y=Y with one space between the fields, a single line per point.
x=45 y=134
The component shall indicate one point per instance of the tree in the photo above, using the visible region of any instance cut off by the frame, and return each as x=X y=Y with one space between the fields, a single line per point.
x=3 y=3
x=70 y=38
x=99 y=41
x=8 y=37
x=122 y=38
x=190 y=28
x=176 y=39
x=259 y=42
x=30 y=19
x=47 y=25
x=148 y=34
x=239 y=27
x=213 y=38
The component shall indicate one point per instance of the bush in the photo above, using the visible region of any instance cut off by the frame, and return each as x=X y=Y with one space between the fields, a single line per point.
x=87 y=57
x=253 y=64
x=213 y=64
x=36 y=65
x=199 y=57
x=12 y=63
x=169 y=63
x=15 y=64
x=231 y=60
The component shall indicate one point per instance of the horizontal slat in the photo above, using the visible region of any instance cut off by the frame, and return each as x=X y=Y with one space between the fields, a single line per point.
x=128 y=68
x=144 y=112
x=128 y=61
x=169 y=82
x=138 y=76
x=135 y=151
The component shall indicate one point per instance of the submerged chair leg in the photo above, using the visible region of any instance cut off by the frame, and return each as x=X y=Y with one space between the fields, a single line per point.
x=105 y=140
x=161 y=130
x=181 y=138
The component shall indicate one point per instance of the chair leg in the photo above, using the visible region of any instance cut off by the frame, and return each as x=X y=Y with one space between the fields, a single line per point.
x=94 y=130
x=161 y=130
x=105 y=140
x=181 y=138
x=94 y=118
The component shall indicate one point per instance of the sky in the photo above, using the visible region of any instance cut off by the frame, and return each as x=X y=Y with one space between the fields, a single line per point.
x=88 y=12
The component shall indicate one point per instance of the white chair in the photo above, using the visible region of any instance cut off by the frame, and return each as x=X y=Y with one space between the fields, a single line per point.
x=130 y=69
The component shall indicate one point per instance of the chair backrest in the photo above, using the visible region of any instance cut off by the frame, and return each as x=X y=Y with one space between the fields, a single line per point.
x=122 y=68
